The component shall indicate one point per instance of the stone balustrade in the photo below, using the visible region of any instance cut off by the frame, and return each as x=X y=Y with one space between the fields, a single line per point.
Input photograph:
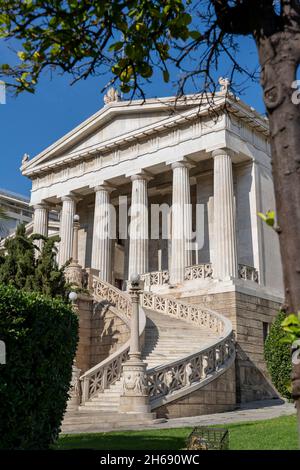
x=190 y=313
x=107 y=372
x=100 y=377
x=174 y=379
x=248 y=273
x=155 y=278
x=118 y=299
x=168 y=381
x=197 y=271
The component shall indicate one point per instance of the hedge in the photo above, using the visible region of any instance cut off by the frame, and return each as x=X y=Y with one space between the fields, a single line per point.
x=278 y=357
x=40 y=335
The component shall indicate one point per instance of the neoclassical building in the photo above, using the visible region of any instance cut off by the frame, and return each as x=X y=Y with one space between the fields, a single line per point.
x=169 y=190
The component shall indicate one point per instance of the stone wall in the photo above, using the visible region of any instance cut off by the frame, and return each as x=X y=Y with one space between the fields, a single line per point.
x=108 y=333
x=83 y=354
x=248 y=314
x=101 y=332
x=216 y=397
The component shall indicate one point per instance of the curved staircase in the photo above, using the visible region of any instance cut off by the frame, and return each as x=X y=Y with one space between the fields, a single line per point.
x=185 y=347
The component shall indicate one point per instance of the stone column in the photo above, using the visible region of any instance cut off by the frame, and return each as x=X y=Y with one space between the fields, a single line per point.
x=225 y=253
x=138 y=234
x=40 y=222
x=135 y=396
x=73 y=272
x=181 y=254
x=66 y=229
x=102 y=233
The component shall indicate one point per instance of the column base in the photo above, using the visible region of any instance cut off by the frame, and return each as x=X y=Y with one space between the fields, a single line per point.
x=135 y=404
x=230 y=279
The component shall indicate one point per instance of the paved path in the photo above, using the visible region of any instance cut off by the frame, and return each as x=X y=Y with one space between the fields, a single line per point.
x=254 y=411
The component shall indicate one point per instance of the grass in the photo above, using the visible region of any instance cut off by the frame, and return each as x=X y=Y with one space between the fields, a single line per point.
x=274 y=434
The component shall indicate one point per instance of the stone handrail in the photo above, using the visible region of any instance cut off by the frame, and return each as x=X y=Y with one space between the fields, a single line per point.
x=198 y=271
x=248 y=273
x=155 y=278
x=104 y=374
x=117 y=298
x=178 y=378
x=107 y=372
x=190 y=313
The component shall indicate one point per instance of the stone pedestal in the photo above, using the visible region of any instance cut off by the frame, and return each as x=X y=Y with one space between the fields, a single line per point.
x=135 y=397
x=74 y=392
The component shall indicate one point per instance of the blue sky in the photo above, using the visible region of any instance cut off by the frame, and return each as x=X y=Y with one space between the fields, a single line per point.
x=29 y=123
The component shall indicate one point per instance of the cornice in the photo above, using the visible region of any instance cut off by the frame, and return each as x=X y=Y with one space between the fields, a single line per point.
x=231 y=104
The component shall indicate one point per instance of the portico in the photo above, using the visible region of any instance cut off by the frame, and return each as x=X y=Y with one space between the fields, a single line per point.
x=165 y=157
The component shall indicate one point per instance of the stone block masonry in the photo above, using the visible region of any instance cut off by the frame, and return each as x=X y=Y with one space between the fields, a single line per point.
x=248 y=315
x=216 y=397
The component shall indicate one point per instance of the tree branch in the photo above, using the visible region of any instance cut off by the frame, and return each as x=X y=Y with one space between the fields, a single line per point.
x=246 y=17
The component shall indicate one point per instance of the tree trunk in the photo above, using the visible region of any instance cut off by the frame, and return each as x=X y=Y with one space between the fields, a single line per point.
x=279 y=60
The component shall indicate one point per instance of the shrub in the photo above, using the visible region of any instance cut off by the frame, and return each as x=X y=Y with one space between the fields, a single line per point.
x=278 y=357
x=20 y=267
x=40 y=334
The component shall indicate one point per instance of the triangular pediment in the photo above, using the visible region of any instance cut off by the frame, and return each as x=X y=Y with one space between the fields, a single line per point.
x=111 y=122
x=122 y=122
x=118 y=126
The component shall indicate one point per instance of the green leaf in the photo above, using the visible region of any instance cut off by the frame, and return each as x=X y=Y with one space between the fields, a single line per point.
x=22 y=55
x=116 y=46
x=268 y=217
x=125 y=88
x=196 y=35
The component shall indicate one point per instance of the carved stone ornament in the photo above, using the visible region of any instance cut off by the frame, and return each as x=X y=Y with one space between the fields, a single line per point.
x=112 y=96
x=74 y=391
x=74 y=275
x=135 y=382
x=224 y=84
x=25 y=158
x=188 y=373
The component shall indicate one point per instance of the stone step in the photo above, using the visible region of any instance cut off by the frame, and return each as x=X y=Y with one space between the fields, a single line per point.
x=79 y=421
x=166 y=339
x=103 y=402
x=106 y=399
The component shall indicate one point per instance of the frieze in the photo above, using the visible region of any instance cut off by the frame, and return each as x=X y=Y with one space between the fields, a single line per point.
x=131 y=150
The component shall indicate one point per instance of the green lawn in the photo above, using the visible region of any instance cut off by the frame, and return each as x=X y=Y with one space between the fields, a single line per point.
x=275 y=434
